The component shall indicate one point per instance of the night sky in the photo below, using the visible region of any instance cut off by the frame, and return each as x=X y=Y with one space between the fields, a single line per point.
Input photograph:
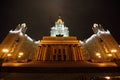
x=78 y=15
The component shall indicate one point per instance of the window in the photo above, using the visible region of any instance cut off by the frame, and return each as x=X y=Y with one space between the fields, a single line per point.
x=59 y=51
x=18 y=39
x=59 y=57
x=63 y=51
x=100 y=40
x=64 y=57
x=54 y=50
x=54 y=57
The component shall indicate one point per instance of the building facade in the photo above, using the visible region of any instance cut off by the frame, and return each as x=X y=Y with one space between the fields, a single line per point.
x=101 y=45
x=59 y=29
x=17 y=45
x=59 y=49
x=60 y=46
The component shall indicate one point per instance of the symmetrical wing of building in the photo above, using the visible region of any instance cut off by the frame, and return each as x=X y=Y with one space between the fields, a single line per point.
x=59 y=46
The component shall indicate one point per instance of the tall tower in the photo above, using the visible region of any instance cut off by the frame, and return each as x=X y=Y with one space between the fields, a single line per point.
x=101 y=45
x=17 y=44
x=59 y=29
x=59 y=46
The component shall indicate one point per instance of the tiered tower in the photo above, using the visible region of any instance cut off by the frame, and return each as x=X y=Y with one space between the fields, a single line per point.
x=59 y=46
x=59 y=29
x=17 y=44
x=101 y=46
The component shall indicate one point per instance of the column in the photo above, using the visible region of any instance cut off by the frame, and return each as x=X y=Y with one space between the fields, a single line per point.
x=73 y=49
x=80 y=53
x=39 y=53
x=44 y=53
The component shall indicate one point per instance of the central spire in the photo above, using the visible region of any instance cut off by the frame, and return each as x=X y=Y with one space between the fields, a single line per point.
x=59 y=29
x=59 y=20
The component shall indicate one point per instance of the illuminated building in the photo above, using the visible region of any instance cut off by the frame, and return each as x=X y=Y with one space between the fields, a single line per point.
x=59 y=49
x=101 y=46
x=61 y=54
x=59 y=46
x=16 y=42
x=59 y=29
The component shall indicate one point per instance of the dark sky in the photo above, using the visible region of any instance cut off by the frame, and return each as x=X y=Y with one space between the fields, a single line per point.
x=78 y=15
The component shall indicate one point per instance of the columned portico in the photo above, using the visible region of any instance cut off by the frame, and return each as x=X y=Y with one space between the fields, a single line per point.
x=59 y=49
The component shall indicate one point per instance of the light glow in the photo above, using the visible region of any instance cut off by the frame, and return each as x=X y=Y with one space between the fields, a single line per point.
x=109 y=55
x=59 y=21
x=11 y=31
x=37 y=42
x=23 y=24
x=21 y=54
x=9 y=55
x=5 y=50
x=103 y=32
x=107 y=77
x=95 y=25
x=59 y=29
x=21 y=34
x=113 y=50
x=91 y=38
x=30 y=39
x=98 y=55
